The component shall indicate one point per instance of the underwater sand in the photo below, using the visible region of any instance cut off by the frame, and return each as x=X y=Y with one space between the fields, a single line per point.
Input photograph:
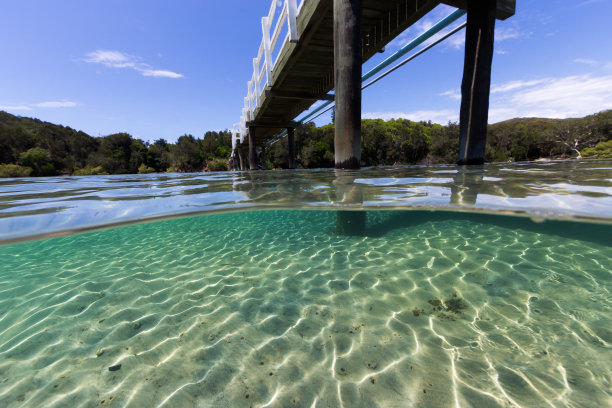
x=274 y=309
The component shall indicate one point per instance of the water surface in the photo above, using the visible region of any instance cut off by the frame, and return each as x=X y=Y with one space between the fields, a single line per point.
x=482 y=287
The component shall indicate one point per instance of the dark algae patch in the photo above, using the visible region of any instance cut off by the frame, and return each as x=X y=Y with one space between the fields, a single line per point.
x=417 y=312
x=445 y=309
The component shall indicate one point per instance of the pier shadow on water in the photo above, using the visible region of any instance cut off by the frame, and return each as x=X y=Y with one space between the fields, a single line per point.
x=468 y=182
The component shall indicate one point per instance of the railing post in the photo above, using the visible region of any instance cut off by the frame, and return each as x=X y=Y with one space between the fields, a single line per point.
x=256 y=80
x=292 y=20
x=267 y=53
x=249 y=97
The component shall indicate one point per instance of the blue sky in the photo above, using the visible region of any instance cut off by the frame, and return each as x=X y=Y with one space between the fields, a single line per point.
x=160 y=69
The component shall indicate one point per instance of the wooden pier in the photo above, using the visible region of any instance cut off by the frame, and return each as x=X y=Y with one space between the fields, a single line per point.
x=305 y=69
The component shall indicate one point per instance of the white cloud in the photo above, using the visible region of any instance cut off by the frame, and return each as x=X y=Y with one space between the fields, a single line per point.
x=117 y=59
x=564 y=97
x=586 y=3
x=570 y=96
x=457 y=41
x=421 y=26
x=56 y=104
x=50 y=104
x=160 y=73
x=514 y=85
x=506 y=87
x=114 y=59
x=442 y=116
x=15 y=108
x=586 y=61
x=509 y=33
x=452 y=93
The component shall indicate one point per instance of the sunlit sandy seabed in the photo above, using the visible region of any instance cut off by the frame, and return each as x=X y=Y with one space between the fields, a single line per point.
x=273 y=308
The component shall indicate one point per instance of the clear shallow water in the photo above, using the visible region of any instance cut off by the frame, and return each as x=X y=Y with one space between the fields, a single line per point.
x=275 y=308
x=39 y=206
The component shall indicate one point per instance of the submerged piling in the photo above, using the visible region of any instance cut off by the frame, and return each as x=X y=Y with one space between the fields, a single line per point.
x=349 y=222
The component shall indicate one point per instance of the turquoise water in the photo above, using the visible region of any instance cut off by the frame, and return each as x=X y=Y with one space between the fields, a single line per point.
x=490 y=288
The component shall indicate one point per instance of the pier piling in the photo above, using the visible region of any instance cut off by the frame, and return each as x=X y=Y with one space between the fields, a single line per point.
x=252 y=151
x=241 y=165
x=263 y=161
x=291 y=141
x=476 y=83
x=347 y=78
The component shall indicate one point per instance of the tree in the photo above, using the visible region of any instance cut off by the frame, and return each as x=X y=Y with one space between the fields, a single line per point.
x=39 y=160
x=158 y=155
x=186 y=154
x=114 y=154
x=576 y=134
x=603 y=150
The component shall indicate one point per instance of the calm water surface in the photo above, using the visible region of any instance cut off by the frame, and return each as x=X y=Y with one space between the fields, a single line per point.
x=396 y=287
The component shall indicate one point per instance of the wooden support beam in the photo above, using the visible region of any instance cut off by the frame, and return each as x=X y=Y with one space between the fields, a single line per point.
x=291 y=141
x=298 y=95
x=263 y=157
x=504 y=8
x=476 y=84
x=241 y=164
x=347 y=78
x=264 y=124
x=252 y=152
x=232 y=162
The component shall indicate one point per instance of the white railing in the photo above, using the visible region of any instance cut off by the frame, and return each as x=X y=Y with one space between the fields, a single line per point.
x=263 y=63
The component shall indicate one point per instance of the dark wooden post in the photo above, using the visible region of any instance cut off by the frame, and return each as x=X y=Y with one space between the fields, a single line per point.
x=291 y=141
x=263 y=160
x=241 y=165
x=231 y=162
x=467 y=183
x=475 y=87
x=252 y=152
x=347 y=77
x=348 y=192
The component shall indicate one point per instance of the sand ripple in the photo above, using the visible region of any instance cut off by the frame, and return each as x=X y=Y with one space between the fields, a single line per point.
x=273 y=309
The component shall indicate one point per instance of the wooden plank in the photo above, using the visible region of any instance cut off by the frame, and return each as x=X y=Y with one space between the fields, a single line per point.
x=271 y=124
x=299 y=95
x=505 y=8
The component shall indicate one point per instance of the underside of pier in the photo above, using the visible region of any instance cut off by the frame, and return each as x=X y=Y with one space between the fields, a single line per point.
x=304 y=71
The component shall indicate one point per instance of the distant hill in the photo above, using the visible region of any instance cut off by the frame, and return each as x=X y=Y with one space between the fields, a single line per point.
x=68 y=148
x=33 y=147
x=532 y=138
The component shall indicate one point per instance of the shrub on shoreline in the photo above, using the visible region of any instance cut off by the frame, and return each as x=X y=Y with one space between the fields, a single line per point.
x=89 y=171
x=14 y=170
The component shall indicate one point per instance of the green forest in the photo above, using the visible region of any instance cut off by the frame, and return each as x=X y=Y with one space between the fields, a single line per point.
x=30 y=147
